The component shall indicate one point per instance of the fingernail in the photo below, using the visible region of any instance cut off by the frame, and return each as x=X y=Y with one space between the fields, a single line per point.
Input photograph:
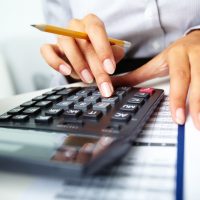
x=180 y=116
x=87 y=76
x=65 y=69
x=106 y=89
x=108 y=66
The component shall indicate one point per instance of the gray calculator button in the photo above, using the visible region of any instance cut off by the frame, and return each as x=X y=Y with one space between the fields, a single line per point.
x=54 y=111
x=15 y=110
x=43 y=119
x=20 y=118
x=121 y=116
x=75 y=98
x=102 y=106
x=84 y=106
x=129 y=108
x=65 y=104
x=84 y=93
x=111 y=100
x=136 y=100
x=43 y=104
x=72 y=113
x=32 y=111
x=92 y=99
x=5 y=118
x=92 y=114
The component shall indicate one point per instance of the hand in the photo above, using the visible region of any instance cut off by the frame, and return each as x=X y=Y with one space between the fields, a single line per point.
x=182 y=61
x=82 y=59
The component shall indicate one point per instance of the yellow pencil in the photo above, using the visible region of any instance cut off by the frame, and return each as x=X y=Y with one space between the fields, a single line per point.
x=76 y=34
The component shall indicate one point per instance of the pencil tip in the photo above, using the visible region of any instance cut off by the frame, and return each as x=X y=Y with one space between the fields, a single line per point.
x=33 y=25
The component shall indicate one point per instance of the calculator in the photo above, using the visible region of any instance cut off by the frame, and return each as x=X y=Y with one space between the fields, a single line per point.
x=74 y=130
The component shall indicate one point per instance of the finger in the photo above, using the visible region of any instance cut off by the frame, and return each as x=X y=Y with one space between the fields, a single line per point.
x=52 y=55
x=102 y=79
x=99 y=39
x=194 y=100
x=157 y=67
x=118 y=52
x=76 y=58
x=179 y=70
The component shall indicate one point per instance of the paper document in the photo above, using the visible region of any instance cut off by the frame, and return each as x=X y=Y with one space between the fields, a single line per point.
x=147 y=172
x=191 y=161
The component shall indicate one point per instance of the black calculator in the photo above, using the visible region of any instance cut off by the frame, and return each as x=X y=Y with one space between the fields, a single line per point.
x=74 y=130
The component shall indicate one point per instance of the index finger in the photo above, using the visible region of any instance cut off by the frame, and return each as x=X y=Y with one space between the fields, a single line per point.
x=99 y=39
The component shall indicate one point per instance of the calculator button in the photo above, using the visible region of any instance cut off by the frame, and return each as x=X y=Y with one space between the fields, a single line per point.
x=39 y=98
x=112 y=100
x=120 y=94
x=43 y=104
x=92 y=99
x=93 y=114
x=43 y=119
x=102 y=106
x=32 y=111
x=28 y=104
x=84 y=93
x=65 y=104
x=72 y=113
x=5 y=118
x=92 y=88
x=129 y=108
x=96 y=93
x=136 y=100
x=142 y=95
x=75 y=98
x=54 y=111
x=15 y=111
x=147 y=90
x=121 y=116
x=67 y=91
x=54 y=98
x=20 y=118
x=58 y=89
x=124 y=88
x=84 y=106
x=49 y=93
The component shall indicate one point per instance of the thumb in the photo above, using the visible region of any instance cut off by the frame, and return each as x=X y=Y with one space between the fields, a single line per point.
x=157 y=67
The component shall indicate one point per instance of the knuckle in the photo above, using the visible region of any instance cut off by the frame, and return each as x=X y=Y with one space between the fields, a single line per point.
x=53 y=63
x=90 y=17
x=177 y=98
x=85 y=45
x=94 y=27
x=92 y=20
x=182 y=74
x=74 y=22
x=102 y=77
x=177 y=49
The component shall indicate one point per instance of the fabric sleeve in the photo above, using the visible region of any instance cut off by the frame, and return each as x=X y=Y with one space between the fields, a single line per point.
x=192 y=29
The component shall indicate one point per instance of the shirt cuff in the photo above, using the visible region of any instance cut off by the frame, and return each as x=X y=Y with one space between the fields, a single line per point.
x=192 y=29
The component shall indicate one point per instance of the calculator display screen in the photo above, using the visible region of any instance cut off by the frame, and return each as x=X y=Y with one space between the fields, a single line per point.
x=55 y=147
